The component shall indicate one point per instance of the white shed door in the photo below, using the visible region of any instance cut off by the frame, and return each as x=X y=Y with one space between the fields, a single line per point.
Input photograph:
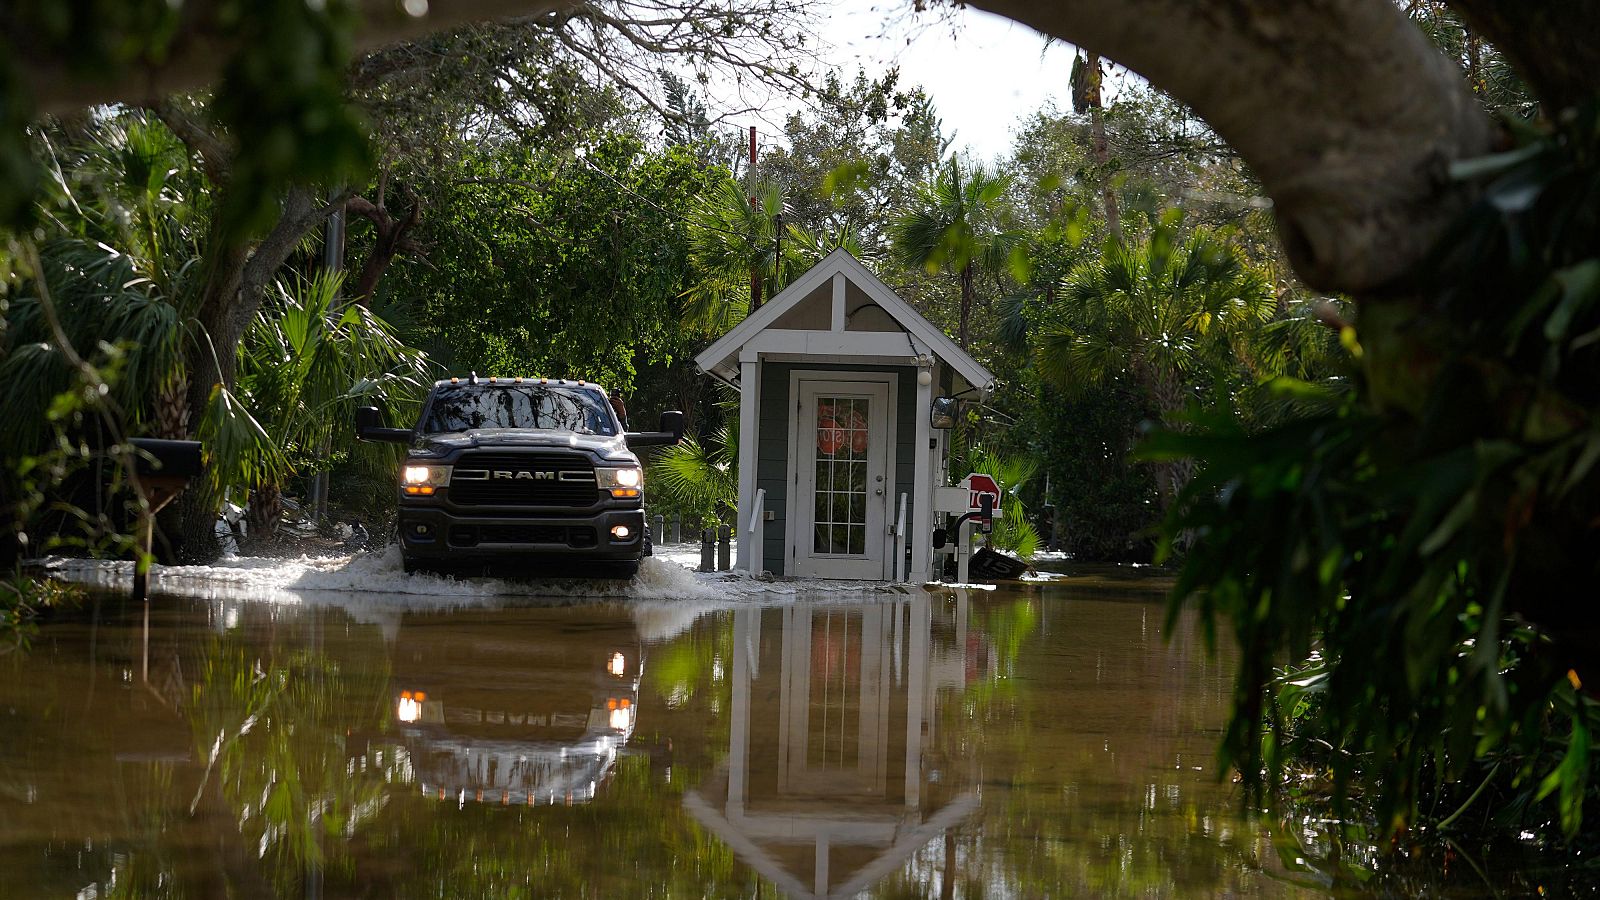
x=841 y=479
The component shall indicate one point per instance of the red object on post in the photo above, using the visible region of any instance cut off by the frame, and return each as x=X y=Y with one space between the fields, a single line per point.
x=978 y=484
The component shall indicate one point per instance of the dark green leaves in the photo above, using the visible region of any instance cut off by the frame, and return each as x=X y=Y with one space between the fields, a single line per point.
x=282 y=100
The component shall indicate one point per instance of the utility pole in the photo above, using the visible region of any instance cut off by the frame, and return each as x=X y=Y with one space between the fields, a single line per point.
x=332 y=262
x=755 y=273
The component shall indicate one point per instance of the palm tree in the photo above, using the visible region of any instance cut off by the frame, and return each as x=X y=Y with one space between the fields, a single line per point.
x=956 y=223
x=731 y=239
x=730 y=242
x=308 y=361
x=119 y=264
x=702 y=477
x=1172 y=316
x=1011 y=471
x=116 y=279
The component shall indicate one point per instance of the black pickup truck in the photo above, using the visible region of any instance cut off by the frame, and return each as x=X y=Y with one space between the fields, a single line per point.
x=520 y=471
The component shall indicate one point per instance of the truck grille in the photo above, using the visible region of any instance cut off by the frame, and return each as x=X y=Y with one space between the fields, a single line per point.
x=516 y=479
x=571 y=536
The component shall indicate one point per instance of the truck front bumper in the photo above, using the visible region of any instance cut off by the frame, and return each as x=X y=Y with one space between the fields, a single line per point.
x=442 y=536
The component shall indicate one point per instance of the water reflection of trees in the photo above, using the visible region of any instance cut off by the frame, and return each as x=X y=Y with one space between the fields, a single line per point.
x=273 y=726
x=1098 y=750
x=942 y=744
x=1088 y=738
x=198 y=762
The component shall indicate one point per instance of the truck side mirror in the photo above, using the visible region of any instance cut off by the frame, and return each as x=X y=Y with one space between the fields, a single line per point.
x=369 y=427
x=986 y=514
x=942 y=415
x=672 y=423
x=671 y=432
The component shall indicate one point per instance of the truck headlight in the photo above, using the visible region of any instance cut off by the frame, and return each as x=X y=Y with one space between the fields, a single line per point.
x=424 y=480
x=621 y=483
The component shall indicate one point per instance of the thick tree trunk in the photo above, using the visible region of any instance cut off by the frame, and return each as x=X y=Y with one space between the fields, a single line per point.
x=1342 y=107
x=235 y=282
x=965 y=317
x=265 y=511
x=1345 y=111
x=1098 y=150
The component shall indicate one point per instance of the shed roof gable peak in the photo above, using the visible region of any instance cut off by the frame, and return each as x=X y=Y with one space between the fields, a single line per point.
x=842 y=262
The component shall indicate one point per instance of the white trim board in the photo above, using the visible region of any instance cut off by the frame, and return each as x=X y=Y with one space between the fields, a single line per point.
x=721 y=359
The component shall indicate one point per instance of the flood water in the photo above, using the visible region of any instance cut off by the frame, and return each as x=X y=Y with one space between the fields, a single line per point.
x=955 y=744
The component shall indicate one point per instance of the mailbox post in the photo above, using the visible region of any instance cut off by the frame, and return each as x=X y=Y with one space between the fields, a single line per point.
x=974 y=500
x=161 y=470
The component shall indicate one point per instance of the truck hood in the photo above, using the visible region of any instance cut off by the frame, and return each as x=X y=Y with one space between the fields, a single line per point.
x=490 y=438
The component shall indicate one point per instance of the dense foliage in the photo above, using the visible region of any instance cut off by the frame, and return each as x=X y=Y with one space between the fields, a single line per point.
x=1440 y=516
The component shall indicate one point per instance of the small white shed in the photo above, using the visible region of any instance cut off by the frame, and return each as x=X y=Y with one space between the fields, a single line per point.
x=837 y=377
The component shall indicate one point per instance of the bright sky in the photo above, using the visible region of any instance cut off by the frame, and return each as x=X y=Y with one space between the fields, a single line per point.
x=982 y=71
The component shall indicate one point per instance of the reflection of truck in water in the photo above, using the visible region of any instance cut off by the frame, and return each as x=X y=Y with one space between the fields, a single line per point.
x=503 y=470
x=514 y=706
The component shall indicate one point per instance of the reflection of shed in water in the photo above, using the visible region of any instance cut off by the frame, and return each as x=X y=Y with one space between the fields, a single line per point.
x=837 y=769
x=528 y=714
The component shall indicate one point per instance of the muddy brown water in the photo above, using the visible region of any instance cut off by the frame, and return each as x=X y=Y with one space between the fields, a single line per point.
x=1047 y=742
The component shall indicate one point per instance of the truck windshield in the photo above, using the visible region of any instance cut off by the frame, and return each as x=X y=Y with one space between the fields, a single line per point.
x=547 y=406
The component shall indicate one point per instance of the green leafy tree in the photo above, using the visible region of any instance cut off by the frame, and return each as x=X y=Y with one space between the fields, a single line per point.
x=310 y=360
x=732 y=243
x=1170 y=314
x=559 y=266
x=856 y=157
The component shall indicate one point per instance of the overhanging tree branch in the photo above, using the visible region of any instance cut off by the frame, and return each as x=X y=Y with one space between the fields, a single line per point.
x=1342 y=108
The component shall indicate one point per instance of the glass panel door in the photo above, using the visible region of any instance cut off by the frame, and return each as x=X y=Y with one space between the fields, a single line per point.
x=841 y=478
x=843 y=434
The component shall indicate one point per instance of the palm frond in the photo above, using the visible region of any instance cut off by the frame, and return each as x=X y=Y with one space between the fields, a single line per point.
x=700 y=475
x=238 y=448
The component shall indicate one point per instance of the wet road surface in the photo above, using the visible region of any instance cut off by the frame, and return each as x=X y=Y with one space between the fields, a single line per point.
x=1028 y=743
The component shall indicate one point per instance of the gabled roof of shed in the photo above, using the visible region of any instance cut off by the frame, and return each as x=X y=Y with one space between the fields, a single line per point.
x=721 y=359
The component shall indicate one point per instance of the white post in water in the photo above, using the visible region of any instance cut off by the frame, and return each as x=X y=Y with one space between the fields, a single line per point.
x=963 y=552
x=900 y=542
x=756 y=545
